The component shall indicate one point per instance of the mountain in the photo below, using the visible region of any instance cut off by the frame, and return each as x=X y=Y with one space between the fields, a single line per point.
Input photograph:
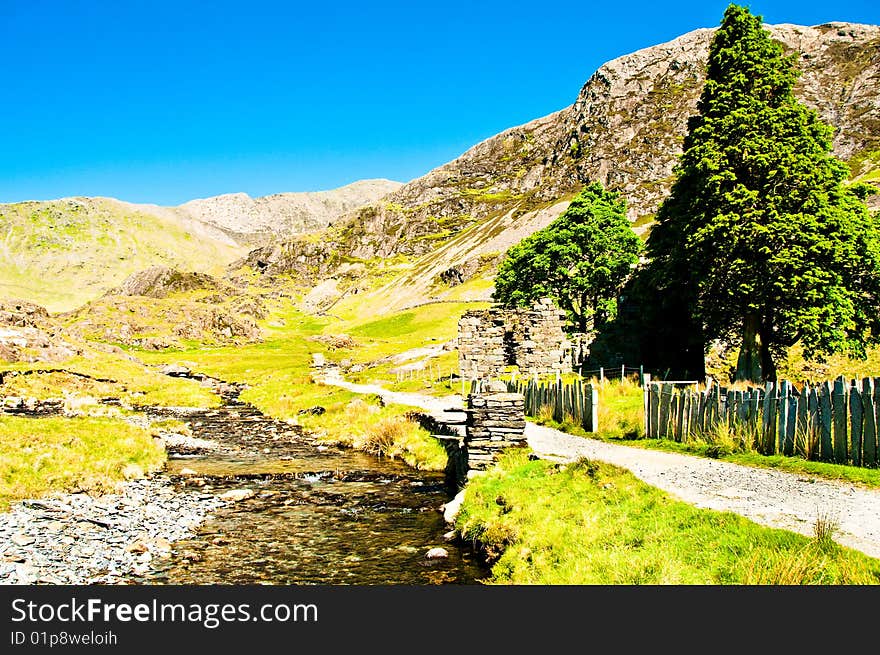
x=625 y=129
x=62 y=253
x=253 y=220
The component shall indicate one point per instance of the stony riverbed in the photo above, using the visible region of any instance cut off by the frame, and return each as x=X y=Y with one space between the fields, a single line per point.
x=243 y=499
x=79 y=539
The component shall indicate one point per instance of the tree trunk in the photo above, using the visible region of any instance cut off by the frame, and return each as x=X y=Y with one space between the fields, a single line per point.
x=768 y=367
x=752 y=352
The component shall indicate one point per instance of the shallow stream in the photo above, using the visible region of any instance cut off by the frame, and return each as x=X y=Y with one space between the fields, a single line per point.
x=318 y=514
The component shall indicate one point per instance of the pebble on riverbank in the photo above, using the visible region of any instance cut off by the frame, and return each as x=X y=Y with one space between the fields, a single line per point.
x=79 y=539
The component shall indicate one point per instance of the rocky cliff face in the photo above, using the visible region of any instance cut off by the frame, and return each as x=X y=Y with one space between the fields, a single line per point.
x=625 y=129
x=629 y=120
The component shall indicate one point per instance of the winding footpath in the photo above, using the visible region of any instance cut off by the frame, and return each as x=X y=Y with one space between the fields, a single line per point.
x=772 y=498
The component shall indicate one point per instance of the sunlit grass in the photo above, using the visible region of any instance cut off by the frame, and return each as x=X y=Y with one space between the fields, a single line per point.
x=281 y=384
x=594 y=523
x=126 y=380
x=43 y=455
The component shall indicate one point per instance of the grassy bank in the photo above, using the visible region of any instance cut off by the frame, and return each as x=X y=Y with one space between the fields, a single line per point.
x=105 y=375
x=43 y=455
x=593 y=523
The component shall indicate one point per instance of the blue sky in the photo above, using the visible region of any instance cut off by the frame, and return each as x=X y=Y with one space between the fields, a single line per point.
x=158 y=101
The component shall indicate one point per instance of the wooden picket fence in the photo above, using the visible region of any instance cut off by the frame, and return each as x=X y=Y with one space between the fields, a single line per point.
x=830 y=421
x=576 y=401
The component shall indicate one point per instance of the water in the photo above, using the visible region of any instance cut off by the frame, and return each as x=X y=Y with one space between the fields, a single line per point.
x=328 y=516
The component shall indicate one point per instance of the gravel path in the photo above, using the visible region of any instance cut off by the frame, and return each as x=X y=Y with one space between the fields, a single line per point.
x=772 y=498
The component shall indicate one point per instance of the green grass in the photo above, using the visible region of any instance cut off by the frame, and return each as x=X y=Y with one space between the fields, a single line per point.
x=365 y=424
x=43 y=455
x=593 y=523
x=439 y=377
x=86 y=246
x=131 y=382
x=281 y=384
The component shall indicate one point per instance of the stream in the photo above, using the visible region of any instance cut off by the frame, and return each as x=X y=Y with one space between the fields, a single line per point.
x=309 y=514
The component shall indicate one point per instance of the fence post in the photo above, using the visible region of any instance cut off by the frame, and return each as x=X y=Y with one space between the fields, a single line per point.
x=838 y=408
x=594 y=411
x=665 y=402
x=679 y=415
x=869 y=434
x=826 y=448
x=769 y=423
x=655 y=410
x=558 y=400
x=601 y=375
x=855 y=414
x=801 y=428
x=784 y=392
x=645 y=381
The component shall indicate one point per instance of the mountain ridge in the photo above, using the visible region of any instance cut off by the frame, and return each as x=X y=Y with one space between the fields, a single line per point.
x=625 y=130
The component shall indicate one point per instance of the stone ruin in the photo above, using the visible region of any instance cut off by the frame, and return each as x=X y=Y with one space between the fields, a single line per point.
x=531 y=339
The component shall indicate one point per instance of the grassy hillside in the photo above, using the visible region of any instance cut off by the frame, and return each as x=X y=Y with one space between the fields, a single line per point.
x=62 y=253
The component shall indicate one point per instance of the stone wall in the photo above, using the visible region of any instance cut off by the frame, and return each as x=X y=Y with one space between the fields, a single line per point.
x=532 y=339
x=495 y=421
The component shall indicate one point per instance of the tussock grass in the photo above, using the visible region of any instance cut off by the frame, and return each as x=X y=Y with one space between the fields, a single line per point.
x=621 y=404
x=384 y=431
x=593 y=523
x=43 y=455
x=130 y=381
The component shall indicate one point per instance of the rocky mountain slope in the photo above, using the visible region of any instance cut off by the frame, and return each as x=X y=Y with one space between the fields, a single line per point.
x=627 y=124
x=253 y=220
x=625 y=129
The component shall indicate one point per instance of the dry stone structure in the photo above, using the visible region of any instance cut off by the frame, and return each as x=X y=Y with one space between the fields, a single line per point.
x=531 y=339
x=495 y=421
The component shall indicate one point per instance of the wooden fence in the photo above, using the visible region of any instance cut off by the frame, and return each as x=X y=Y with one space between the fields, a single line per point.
x=830 y=421
x=577 y=401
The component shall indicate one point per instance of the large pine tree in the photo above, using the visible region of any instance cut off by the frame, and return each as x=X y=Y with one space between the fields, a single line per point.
x=759 y=237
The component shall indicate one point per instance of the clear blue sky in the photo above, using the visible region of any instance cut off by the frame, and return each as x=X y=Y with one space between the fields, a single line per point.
x=160 y=101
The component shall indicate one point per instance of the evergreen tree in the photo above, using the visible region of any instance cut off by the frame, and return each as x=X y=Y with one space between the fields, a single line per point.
x=580 y=260
x=759 y=237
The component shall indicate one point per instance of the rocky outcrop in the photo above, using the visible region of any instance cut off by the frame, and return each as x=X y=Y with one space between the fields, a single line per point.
x=20 y=313
x=257 y=220
x=161 y=281
x=626 y=127
x=27 y=334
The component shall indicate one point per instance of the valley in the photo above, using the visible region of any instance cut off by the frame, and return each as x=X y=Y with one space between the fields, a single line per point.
x=182 y=354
